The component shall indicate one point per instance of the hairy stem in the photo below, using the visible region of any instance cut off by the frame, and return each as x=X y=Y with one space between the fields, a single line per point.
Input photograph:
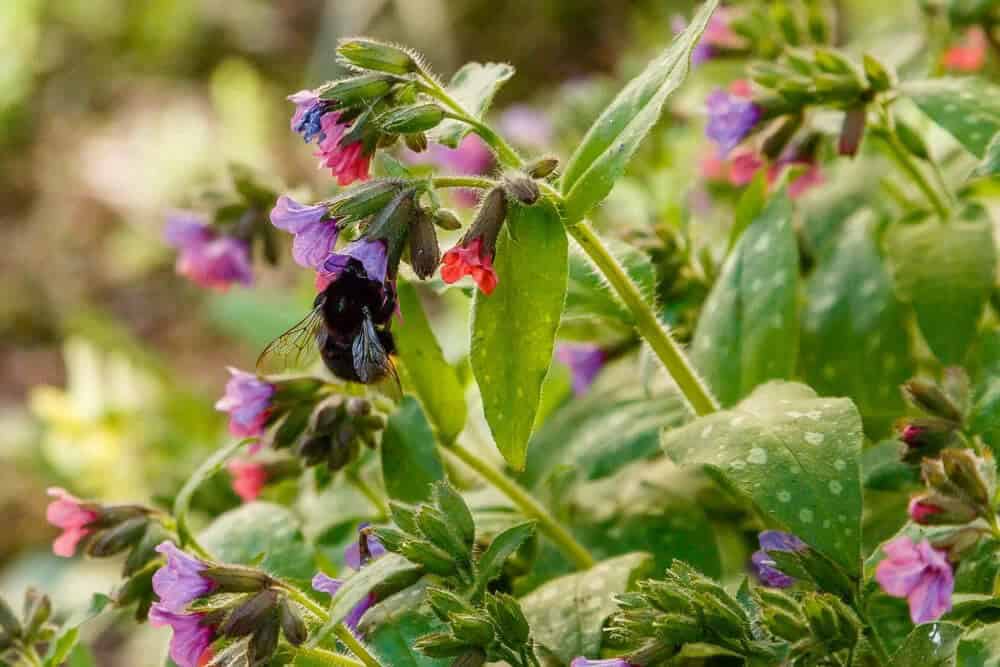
x=462 y=182
x=342 y=632
x=903 y=158
x=329 y=657
x=646 y=322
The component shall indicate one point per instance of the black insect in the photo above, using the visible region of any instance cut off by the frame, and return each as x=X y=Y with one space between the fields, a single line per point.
x=348 y=327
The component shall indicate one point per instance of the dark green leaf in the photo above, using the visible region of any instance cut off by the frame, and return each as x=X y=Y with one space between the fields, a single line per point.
x=968 y=108
x=990 y=166
x=501 y=548
x=980 y=647
x=434 y=379
x=514 y=329
x=393 y=640
x=747 y=333
x=410 y=461
x=929 y=645
x=473 y=87
x=795 y=455
x=602 y=156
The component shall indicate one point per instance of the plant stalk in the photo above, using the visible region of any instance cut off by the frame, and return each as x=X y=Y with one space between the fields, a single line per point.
x=329 y=657
x=343 y=633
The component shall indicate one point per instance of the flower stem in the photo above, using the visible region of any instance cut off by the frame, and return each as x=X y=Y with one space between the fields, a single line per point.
x=182 y=503
x=530 y=507
x=905 y=160
x=343 y=633
x=462 y=182
x=373 y=496
x=646 y=322
x=329 y=657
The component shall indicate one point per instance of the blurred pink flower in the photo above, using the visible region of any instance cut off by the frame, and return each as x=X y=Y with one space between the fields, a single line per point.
x=248 y=478
x=72 y=516
x=969 y=55
x=921 y=574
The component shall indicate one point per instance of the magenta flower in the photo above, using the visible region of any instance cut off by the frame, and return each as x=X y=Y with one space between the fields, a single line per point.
x=608 y=662
x=717 y=34
x=73 y=516
x=764 y=566
x=348 y=162
x=525 y=126
x=248 y=401
x=191 y=645
x=371 y=253
x=921 y=574
x=179 y=581
x=921 y=511
x=315 y=233
x=730 y=119
x=206 y=257
x=352 y=554
x=249 y=478
x=585 y=362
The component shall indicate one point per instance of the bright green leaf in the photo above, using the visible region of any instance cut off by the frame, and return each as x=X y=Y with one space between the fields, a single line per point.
x=748 y=333
x=473 y=87
x=968 y=109
x=929 y=645
x=433 y=378
x=501 y=548
x=796 y=455
x=410 y=461
x=514 y=329
x=602 y=156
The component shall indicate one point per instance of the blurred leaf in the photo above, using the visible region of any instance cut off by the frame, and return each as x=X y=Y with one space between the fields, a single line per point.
x=211 y=466
x=990 y=165
x=796 y=455
x=435 y=380
x=410 y=461
x=567 y=615
x=980 y=647
x=243 y=535
x=474 y=87
x=69 y=633
x=984 y=415
x=587 y=293
x=501 y=548
x=393 y=641
x=854 y=339
x=947 y=272
x=882 y=470
x=747 y=333
x=929 y=645
x=602 y=156
x=514 y=329
x=968 y=109
x=748 y=207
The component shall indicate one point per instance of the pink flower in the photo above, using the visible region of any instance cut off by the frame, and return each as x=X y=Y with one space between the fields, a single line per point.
x=920 y=511
x=743 y=167
x=73 y=516
x=248 y=401
x=609 y=662
x=249 y=478
x=584 y=361
x=206 y=257
x=470 y=259
x=969 y=55
x=921 y=574
x=179 y=581
x=348 y=163
x=711 y=167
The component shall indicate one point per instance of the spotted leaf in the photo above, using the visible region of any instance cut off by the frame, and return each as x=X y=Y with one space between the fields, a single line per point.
x=968 y=109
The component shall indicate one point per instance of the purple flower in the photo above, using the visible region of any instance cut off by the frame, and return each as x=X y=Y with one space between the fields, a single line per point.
x=352 y=554
x=353 y=558
x=921 y=574
x=315 y=234
x=371 y=254
x=325 y=584
x=248 y=402
x=765 y=567
x=730 y=119
x=608 y=662
x=526 y=126
x=348 y=162
x=191 y=645
x=205 y=256
x=179 y=582
x=308 y=111
x=585 y=361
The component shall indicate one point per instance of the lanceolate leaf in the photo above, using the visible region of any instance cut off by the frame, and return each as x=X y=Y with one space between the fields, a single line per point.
x=796 y=455
x=947 y=272
x=514 y=329
x=501 y=548
x=434 y=379
x=748 y=333
x=473 y=87
x=601 y=158
x=410 y=461
x=969 y=109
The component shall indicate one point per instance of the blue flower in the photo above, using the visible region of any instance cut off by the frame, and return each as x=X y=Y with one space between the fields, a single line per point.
x=730 y=119
x=765 y=567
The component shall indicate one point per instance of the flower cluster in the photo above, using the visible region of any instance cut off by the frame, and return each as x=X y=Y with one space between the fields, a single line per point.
x=206 y=256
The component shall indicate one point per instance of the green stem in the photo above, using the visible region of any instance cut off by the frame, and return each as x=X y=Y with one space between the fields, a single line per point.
x=462 y=182
x=905 y=160
x=31 y=655
x=373 y=496
x=530 y=507
x=329 y=657
x=646 y=322
x=182 y=504
x=873 y=638
x=343 y=633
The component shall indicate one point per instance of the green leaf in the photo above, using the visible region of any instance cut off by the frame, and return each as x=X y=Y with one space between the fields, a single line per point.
x=473 y=87
x=990 y=165
x=980 y=647
x=854 y=338
x=602 y=156
x=589 y=298
x=796 y=455
x=434 y=379
x=410 y=461
x=393 y=641
x=968 y=109
x=750 y=205
x=356 y=588
x=243 y=535
x=929 y=645
x=514 y=329
x=501 y=548
x=567 y=614
x=747 y=333
x=947 y=272
x=69 y=633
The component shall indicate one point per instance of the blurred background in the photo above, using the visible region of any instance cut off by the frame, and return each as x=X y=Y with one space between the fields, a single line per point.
x=112 y=112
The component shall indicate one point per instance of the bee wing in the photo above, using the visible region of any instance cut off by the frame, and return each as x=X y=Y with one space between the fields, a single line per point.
x=371 y=361
x=297 y=348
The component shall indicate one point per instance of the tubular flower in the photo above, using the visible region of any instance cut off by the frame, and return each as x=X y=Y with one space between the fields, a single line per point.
x=348 y=162
x=584 y=361
x=206 y=257
x=191 y=645
x=179 y=582
x=248 y=478
x=470 y=259
x=72 y=516
x=248 y=401
x=315 y=234
x=765 y=567
x=921 y=574
x=731 y=117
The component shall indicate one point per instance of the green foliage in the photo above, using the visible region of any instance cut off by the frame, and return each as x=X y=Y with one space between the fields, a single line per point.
x=969 y=109
x=473 y=87
x=930 y=644
x=410 y=461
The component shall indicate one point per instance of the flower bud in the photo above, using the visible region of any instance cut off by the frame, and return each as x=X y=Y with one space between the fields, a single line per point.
x=440 y=645
x=391 y=538
x=956 y=542
x=114 y=540
x=784 y=625
x=432 y=558
x=425 y=254
x=472 y=658
x=929 y=397
x=912 y=140
x=446 y=219
x=456 y=511
x=416 y=142
x=472 y=629
x=250 y=615
x=37 y=610
x=292 y=625
x=776 y=142
x=415 y=118
x=444 y=603
x=488 y=221
x=358 y=90
x=364 y=200
x=404 y=516
x=236 y=579
x=878 y=76
x=522 y=188
x=852 y=131
x=975 y=476
x=543 y=167
x=925 y=437
x=437 y=531
x=374 y=55
x=934 y=509
x=507 y=613
x=264 y=641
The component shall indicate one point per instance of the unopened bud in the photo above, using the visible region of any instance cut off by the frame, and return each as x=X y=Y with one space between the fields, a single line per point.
x=431 y=557
x=446 y=219
x=784 y=625
x=444 y=603
x=378 y=56
x=358 y=407
x=957 y=542
x=236 y=579
x=542 y=167
x=440 y=645
x=929 y=397
x=115 y=540
x=358 y=90
x=878 y=76
x=472 y=629
x=416 y=142
x=934 y=509
x=404 y=516
x=912 y=140
x=436 y=529
x=833 y=62
x=925 y=437
x=361 y=201
x=776 y=142
x=852 y=131
x=472 y=658
x=416 y=118
x=975 y=476
x=390 y=538
x=507 y=613
x=818 y=22
x=522 y=189
x=456 y=511
x=488 y=221
x=292 y=625
x=37 y=609
x=425 y=253
x=251 y=615
x=264 y=641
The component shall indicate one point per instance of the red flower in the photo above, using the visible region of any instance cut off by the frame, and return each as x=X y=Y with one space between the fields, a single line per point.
x=72 y=516
x=969 y=55
x=471 y=259
x=249 y=478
